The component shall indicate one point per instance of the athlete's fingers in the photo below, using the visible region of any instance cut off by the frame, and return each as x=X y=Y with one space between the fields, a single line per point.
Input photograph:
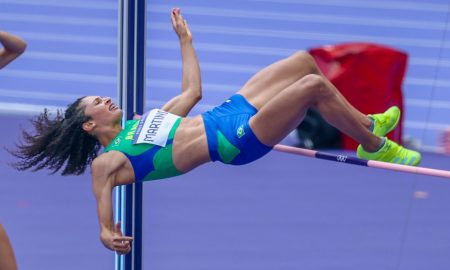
x=118 y=228
x=123 y=250
x=122 y=238
x=172 y=17
x=121 y=244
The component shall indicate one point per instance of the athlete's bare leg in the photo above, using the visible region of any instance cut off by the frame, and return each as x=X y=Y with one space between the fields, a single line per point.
x=7 y=258
x=287 y=109
x=270 y=81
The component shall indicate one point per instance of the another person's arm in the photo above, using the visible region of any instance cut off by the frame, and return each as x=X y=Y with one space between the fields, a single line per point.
x=102 y=185
x=13 y=46
x=191 y=88
x=7 y=258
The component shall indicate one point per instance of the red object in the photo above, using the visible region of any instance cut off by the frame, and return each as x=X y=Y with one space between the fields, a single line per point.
x=370 y=76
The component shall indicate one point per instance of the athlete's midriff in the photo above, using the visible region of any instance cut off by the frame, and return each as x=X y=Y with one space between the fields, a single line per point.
x=190 y=147
x=186 y=149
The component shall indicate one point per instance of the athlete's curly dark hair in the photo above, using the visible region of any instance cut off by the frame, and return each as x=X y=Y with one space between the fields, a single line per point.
x=58 y=142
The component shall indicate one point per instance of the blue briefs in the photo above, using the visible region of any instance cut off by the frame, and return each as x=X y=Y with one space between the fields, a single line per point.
x=230 y=138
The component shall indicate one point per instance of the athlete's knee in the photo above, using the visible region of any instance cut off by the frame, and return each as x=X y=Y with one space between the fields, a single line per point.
x=316 y=86
x=302 y=55
x=313 y=82
x=306 y=60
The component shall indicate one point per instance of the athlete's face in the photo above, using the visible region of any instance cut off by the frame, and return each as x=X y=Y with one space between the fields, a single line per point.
x=102 y=110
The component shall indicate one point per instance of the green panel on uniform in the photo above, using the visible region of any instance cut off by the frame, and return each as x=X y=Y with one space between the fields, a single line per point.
x=227 y=151
x=163 y=169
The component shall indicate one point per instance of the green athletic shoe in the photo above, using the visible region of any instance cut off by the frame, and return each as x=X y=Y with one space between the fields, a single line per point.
x=391 y=152
x=385 y=122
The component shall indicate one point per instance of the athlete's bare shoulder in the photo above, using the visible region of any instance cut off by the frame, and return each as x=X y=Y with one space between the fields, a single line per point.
x=108 y=159
x=115 y=165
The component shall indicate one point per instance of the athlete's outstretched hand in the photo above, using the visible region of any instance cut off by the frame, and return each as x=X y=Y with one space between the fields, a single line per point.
x=117 y=241
x=180 y=25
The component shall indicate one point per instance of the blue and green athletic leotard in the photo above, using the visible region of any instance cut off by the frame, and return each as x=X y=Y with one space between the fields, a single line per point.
x=149 y=161
x=230 y=138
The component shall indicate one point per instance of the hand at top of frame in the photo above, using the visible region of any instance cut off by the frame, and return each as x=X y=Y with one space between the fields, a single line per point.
x=180 y=26
x=13 y=46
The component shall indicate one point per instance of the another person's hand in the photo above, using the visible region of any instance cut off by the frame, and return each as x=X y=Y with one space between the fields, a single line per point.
x=180 y=25
x=117 y=241
x=10 y=48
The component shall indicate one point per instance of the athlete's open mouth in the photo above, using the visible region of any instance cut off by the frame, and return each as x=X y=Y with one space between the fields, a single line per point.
x=113 y=107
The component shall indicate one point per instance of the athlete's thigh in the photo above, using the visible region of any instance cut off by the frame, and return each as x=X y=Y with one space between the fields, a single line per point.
x=271 y=80
x=275 y=120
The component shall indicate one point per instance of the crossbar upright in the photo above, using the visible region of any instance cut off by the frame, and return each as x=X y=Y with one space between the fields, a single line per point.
x=131 y=95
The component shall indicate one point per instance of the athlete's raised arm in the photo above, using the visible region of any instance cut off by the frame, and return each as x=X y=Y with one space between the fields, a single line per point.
x=13 y=46
x=191 y=88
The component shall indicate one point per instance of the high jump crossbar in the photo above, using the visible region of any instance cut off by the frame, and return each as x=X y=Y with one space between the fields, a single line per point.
x=361 y=162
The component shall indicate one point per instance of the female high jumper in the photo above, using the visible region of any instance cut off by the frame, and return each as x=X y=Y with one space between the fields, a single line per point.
x=165 y=143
